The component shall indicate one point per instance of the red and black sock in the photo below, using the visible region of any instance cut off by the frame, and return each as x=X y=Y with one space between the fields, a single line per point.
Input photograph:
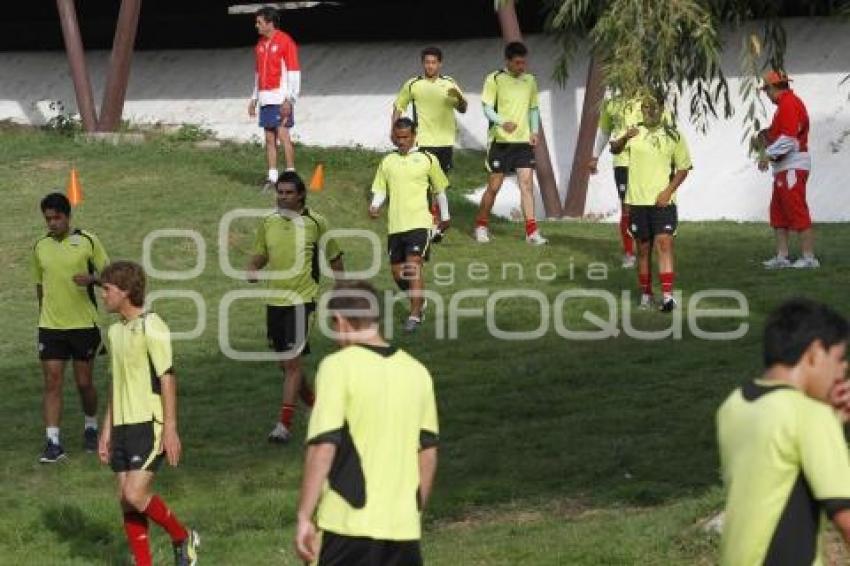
x=158 y=512
x=667 y=282
x=625 y=235
x=287 y=413
x=645 y=283
x=136 y=529
x=530 y=227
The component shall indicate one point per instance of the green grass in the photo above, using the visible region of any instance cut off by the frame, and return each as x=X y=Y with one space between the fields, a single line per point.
x=553 y=451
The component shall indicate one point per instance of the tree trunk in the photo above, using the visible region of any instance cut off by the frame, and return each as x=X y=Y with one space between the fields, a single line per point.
x=119 y=66
x=77 y=62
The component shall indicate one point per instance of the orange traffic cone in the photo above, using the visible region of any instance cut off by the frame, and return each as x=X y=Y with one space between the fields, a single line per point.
x=317 y=181
x=74 y=190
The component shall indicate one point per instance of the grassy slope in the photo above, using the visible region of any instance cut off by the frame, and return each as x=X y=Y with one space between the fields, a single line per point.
x=554 y=451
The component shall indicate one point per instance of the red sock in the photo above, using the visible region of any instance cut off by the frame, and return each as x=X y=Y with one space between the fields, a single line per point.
x=628 y=241
x=530 y=227
x=287 y=413
x=435 y=212
x=160 y=514
x=136 y=529
x=307 y=395
x=479 y=222
x=667 y=281
x=645 y=283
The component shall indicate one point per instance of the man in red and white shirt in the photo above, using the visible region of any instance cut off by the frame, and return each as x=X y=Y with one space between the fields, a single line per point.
x=786 y=150
x=277 y=83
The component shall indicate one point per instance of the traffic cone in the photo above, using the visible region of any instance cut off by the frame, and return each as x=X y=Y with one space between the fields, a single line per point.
x=317 y=181
x=74 y=190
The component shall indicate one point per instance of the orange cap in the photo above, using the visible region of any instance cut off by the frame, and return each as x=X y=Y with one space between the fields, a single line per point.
x=772 y=78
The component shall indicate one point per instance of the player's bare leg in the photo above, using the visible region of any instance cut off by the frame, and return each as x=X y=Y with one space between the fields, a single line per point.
x=482 y=219
x=83 y=370
x=781 y=242
x=293 y=375
x=53 y=371
x=644 y=258
x=288 y=148
x=807 y=242
x=271 y=149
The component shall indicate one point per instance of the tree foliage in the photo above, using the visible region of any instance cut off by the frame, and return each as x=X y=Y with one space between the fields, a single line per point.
x=673 y=48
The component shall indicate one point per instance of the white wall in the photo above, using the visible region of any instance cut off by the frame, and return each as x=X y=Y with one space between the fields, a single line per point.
x=348 y=91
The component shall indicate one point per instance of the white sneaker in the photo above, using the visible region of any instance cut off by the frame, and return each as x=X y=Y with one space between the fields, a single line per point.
x=279 y=434
x=629 y=261
x=536 y=239
x=482 y=235
x=645 y=302
x=776 y=262
x=806 y=263
x=411 y=324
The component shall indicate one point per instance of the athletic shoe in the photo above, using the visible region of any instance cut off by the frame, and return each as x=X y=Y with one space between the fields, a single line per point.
x=52 y=453
x=536 y=239
x=90 y=439
x=279 y=434
x=806 y=263
x=645 y=302
x=482 y=235
x=629 y=261
x=776 y=262
x=436 y=236
x=411 y=324
x=668 y=305
x=186 y=552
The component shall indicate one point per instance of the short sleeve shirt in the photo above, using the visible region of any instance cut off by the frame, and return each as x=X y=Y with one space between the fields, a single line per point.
x=616 y=117
x=291 y=244
x=432 y=109
x=65 y=305
x=654 y=156
x=785 y=467
x=140 y=351
x=512 y=98
x=378 y=406
x=406 y=179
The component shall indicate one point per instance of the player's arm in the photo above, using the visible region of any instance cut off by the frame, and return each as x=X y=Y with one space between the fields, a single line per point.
x=460 y=102
x=439 y=183
x=105 y=440
x=255 y=94
x=317 y=466
x=427 y=473
x=256 y=263
x=39 y=294
x=682 y=165
x=402 y=100
x=379 y=192
x=99 y=259
x=618 y=145
x=170 y=438
x=293 y=76
x=534 y=124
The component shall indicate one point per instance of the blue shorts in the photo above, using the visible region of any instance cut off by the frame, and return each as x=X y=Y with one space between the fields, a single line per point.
x=270 y=117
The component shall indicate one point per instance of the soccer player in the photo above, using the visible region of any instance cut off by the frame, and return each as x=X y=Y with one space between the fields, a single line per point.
x=510 y=104
x=287 y=240
x=617 y=116
x=65 y=264
x=405 y=177
x=783 y=454
x=371 y=446
x=434 y=99
x=785 y=145
x=140 y=426
x=277 y=84
x=655 y=148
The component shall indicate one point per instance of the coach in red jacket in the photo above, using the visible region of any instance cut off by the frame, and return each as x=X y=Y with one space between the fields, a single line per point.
x=277 y=83
x=786 y=150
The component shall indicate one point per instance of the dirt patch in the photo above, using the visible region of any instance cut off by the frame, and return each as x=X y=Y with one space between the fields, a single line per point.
x=520 y=515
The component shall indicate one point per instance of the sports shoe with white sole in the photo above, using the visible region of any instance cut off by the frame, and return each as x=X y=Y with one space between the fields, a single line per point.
x=536 y=239
x=411 y=324
x=53 y=452
x=482 y=235
x=645 y=302
x=776 y=262
x=668 y=305
x=186 y=552
x=806 y=263
x=279 y=434
x=629 y=261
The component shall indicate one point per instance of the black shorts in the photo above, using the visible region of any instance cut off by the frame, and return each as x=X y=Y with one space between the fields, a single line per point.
x=79 y=344
x=282 y=327
x=340 y=550
x=621 y=181
x=136 y=447
x=646 y=222
x=508 y=157
x=412 y=242
x=444 y=155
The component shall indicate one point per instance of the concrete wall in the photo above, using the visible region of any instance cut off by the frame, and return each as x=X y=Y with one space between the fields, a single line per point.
x=348 y=91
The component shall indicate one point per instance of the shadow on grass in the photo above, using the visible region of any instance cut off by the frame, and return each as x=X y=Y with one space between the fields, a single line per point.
x=87 y=539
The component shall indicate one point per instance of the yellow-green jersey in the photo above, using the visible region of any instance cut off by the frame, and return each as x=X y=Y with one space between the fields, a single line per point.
x=512 y=98
x=616 y=117
x=433 y=109
x=291 y=244
x=66 y=305
x=377 y=406
x=654 y=156
x=785 y=467
x=406 y=179
x=140 y=351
